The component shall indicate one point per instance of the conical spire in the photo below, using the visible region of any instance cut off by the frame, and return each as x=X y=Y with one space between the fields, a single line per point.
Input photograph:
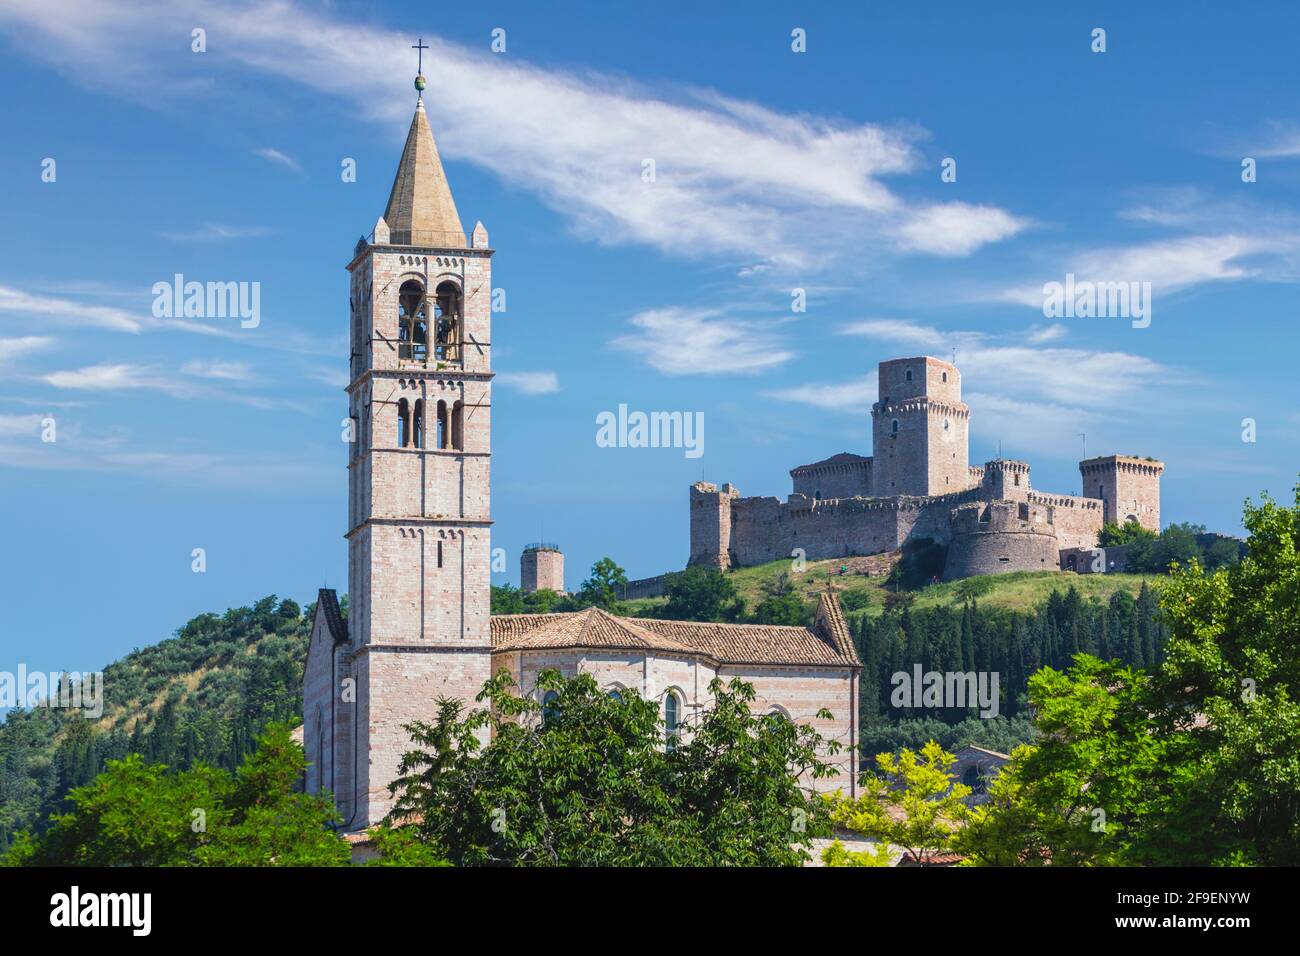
x=420 y=209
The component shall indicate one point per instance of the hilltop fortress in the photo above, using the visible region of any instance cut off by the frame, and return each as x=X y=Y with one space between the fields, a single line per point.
x=920 y=484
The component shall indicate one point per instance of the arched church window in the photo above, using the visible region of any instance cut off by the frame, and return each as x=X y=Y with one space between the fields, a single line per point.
x=458 y=426
x=412 y=322
x=403 y=423
x=444 y=432
x=909 y=374
x=447 y=320
x=549 y=710
x=672 y=720
x=417 y=424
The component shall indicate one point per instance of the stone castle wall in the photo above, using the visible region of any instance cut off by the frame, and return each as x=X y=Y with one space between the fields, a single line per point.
x=999 y=537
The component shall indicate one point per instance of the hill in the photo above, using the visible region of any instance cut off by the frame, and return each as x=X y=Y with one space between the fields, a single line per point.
x=202 y=695
x=1019 y=591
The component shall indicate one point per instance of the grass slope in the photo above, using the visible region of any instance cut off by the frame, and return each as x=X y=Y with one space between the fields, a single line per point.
x=1020 y=590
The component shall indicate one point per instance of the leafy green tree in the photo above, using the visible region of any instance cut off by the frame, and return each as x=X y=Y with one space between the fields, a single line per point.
x=601 y=589
x=593 y=784
x=782 y=604
x=139 y=814
x=1129 y=532
x=702 y=593
x=911 y=803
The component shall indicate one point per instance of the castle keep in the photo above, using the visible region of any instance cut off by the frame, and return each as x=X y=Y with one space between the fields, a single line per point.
x=919 y=484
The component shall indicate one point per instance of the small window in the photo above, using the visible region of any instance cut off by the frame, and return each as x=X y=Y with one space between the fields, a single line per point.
x=439 y=554
x=909 y=374
x=417 y=424
x=549 y=709
x=403 y=423
x=973 y=779
x=893 y=428
x=1016 y=479
x=945 y=376
x=672 y=720
x=946 y=424
x=616 y=695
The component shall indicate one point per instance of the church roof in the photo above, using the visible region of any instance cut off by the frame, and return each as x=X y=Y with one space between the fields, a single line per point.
x=327 y=603
x=828 y=643
x=420 y=209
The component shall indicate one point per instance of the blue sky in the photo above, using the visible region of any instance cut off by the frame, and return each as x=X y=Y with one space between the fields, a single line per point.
x=775 y=170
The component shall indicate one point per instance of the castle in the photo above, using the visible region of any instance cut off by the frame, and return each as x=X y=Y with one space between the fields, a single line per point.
x=919 y=484
x=419 y=625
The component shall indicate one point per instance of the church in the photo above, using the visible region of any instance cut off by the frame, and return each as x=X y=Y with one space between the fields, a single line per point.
x=419 y=625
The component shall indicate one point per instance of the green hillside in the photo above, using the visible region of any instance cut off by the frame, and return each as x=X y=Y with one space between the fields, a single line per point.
x=202 y=695
x=1019 y=591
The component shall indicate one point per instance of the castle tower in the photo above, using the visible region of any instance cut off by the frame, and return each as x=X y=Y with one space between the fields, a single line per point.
x=1007 y=480
x=1130 y=488
x=418 y=479
x=541 y=568
x=920 y=442
x=711 y=524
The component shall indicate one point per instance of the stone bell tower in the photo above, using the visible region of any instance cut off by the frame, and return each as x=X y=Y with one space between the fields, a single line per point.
x=419 y=514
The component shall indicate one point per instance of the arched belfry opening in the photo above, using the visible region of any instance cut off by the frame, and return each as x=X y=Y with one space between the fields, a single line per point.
x=412 y=322
x=448 y=315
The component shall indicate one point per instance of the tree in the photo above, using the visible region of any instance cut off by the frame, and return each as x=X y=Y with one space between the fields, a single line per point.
x=702 y=593
x=782 y=604
x=1130 y=531
x=912 y=804
x=592 y=784
x=139 y=814
x=601 y=589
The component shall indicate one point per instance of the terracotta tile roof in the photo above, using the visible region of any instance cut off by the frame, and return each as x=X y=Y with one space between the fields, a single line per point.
x=828 y=644
x=591 y=627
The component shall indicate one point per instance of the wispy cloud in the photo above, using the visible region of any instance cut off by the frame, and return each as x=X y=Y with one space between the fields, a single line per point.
x=222 y=371
x=681 y=341
x=530 y=383
x=19 y=305
x=279 y=158
x=13 y=348
x=216 y=232
x=734 y=177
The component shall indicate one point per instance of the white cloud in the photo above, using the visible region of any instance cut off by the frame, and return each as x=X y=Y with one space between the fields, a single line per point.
x=70 y=312
x=530 y=383
x=732 y=177
x=1042 y=334
x=854 y=397
x=20 y=425
x=13 y=348
x=1170 y=265
x=216 y=232
x=957 y=228
x=275 y=156
x=223 y=371
x=111 y=377
x=680 y=341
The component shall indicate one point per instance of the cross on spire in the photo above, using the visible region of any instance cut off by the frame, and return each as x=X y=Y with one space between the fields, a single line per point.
x=419 y=45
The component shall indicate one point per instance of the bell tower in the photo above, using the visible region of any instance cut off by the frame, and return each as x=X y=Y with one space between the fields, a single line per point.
x=419 y=515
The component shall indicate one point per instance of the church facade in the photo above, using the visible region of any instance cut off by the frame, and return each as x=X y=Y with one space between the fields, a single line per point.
x=418 y=625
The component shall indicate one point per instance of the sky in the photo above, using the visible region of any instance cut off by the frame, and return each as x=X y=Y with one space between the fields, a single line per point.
x=663 y=184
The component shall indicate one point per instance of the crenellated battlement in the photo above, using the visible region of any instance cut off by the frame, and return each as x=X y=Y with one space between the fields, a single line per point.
x=918 y=483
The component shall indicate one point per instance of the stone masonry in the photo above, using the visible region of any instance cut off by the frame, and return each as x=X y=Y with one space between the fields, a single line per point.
x=913 y=487
x=541 y=568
